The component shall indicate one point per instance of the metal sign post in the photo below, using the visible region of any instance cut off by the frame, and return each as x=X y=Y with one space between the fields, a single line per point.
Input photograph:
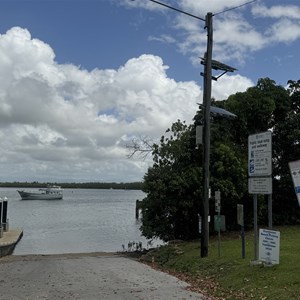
x=270 y=211
x=255 y=228
x=240 y=221
x=218 y=210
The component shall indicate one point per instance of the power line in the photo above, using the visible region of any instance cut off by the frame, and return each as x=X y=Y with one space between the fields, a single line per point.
x=235 y=7
x=176 y=9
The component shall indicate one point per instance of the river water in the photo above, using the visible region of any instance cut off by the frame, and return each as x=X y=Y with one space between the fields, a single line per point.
x=86 y=220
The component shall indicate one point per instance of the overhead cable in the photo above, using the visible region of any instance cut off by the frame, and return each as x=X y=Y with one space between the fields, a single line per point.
x=232 y=8
x=181 y=11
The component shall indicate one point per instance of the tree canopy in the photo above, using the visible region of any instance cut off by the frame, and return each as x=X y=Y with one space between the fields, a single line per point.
x=173 y=184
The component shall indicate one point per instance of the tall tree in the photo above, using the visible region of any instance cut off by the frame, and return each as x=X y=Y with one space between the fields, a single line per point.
x=174 y=183
x=286 y=148
x=171 y=207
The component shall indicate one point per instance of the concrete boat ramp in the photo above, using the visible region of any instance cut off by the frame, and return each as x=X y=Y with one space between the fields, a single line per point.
x=85 y=276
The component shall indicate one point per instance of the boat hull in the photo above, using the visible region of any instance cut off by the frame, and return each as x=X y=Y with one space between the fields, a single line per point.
x=40 y=196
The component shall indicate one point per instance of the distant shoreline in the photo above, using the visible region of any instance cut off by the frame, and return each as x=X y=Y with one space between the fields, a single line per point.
x=77 y=185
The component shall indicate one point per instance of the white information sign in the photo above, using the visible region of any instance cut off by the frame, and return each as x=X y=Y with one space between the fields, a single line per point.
x=260 y=185
x=295 y=171
x=260 y=154
x=269 y=244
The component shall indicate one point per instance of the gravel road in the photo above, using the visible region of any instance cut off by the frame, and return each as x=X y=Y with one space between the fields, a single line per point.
x=86 y=276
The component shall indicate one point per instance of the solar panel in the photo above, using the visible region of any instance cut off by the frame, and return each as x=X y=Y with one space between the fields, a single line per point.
x=216 y=65
x=219 y=111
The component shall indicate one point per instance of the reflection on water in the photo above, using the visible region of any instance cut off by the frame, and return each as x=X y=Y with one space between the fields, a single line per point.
x=86 y=220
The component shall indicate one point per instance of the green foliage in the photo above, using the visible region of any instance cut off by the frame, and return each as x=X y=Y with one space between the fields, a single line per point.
x=174 y=183
x=286 y=148
x=229 y=176
x=170 y=210
x=254 y=109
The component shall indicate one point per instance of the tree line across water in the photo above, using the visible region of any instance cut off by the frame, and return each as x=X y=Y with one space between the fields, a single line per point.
x=75 y=185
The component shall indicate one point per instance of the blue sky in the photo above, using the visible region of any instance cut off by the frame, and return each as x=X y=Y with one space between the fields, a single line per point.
x=105 y=34
x=95 y=33
x=81 y=78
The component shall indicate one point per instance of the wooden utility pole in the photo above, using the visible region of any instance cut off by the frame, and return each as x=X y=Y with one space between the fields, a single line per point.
x=206 y=102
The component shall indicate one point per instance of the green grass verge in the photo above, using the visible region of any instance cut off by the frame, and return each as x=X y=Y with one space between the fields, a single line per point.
x=229 y=276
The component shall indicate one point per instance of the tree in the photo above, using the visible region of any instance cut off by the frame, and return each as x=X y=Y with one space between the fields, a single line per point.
x=174 y=183
x=254 y=109
x=229 y=176
x=268 y=106
x=286 y=148
x=171 y=207
x=141 y=146
x=228 y=165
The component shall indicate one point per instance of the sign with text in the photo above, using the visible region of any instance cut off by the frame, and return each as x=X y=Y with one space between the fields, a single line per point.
x=260 y=185
x=295 y=172
x=269 y=244
x=260 y=154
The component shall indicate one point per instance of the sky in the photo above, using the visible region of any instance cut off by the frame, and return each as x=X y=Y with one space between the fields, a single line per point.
x=81 y=79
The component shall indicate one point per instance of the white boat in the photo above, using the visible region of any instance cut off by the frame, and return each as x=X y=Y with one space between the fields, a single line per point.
x=49 y=193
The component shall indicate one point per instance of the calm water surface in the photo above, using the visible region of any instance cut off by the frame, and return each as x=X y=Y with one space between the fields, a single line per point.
x=86 y=220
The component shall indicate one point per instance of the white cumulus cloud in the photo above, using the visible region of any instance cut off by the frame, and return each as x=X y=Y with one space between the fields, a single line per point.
x=62 y=123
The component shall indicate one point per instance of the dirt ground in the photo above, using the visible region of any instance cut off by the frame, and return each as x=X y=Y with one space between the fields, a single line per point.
x=86 y=276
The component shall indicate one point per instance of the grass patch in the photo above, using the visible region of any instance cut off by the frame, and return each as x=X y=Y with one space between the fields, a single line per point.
x=229 y=276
